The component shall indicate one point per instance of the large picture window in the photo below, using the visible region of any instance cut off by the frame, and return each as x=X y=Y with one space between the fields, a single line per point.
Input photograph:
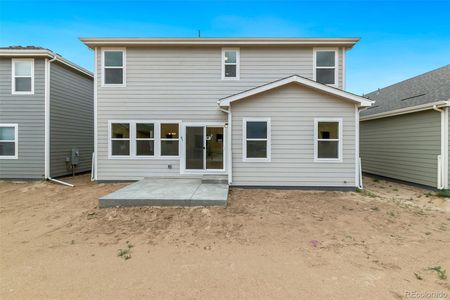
x=22 y=76
x=143 y=139
x=325 y=66
x=8 y=141
x=257 y=141
x=328 y=139
x=114 y=67
x=230 y=63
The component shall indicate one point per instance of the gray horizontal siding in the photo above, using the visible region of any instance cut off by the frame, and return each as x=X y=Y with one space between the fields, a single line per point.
x=71 y=119
x=28 y=112
x=292 y=110
x=404 y=147
x=183 y=83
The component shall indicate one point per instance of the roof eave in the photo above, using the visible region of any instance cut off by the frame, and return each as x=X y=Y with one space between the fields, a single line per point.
x=406 y=110
x=43 y=53
x=98 y=42
x=362 y=102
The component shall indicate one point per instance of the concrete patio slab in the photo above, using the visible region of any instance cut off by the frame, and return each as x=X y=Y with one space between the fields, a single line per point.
x=168 y=192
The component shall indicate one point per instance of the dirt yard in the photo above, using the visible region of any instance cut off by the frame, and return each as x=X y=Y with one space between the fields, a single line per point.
x=267 y=244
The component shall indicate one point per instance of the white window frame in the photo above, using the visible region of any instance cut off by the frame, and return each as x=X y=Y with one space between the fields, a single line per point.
x=336 y=64
x=166 y=139
x=245 y=139
x=317 y=140
x=16 y=142
x=238 y=63
x=145 y=139
x=124 y=67
x=157 y=139
x=13 y=76
x=111 y=139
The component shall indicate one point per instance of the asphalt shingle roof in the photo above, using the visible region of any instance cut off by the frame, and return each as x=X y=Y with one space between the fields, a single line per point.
x=429 y=87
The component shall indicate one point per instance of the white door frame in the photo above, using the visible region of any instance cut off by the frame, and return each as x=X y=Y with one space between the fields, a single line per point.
x=183 y=169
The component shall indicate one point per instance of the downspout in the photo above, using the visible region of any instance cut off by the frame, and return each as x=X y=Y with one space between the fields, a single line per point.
x=228 y=140
x=443 y=158
x=47 y=123
x=358 y=168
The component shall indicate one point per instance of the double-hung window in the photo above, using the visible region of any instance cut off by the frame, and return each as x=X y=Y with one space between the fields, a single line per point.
x=114 y=67
x=169 y=139
x=8 y=141
x=327 y=139
x=145 y=139
x=257 y=139
x=22 y=76
x=230 y=63
x=120 y=139
x=325 y=66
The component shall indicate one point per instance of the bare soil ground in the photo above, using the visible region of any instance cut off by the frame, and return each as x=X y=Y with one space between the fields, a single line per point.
x=267 y=244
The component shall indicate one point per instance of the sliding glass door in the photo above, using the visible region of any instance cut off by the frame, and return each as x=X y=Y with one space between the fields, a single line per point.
x=204 y=148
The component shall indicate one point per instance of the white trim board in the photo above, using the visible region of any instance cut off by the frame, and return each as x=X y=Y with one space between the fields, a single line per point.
x=361 y=101
x=406 y=110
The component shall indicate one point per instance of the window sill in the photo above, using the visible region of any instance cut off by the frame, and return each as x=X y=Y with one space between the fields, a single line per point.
x=113 y=85
x=331 y=160
x=22 y=93
x=245 y=159
x=8 y=157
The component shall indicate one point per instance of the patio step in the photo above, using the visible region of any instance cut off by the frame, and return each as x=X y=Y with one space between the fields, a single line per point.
x=220 y=179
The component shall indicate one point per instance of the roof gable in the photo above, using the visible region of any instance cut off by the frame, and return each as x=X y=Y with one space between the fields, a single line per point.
x=361 y=101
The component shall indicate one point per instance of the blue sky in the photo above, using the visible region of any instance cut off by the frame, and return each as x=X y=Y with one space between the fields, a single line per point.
x=400 y=39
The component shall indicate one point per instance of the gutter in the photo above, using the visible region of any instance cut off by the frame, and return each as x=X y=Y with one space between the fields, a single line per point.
x=228 y=141
x=407 y=110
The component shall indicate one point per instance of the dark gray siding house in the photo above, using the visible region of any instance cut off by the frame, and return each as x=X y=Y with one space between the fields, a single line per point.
x=46 y=110
x=405 y=134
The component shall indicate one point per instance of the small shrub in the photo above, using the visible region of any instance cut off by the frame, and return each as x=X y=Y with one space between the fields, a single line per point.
x=125 y=253
x=441 y=272
x=443 y=194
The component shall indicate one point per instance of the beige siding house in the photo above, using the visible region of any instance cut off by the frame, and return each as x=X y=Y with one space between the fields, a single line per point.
x=262 y=112
x=405 y=134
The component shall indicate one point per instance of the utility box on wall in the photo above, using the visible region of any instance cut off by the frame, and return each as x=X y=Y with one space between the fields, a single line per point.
x=75 y=157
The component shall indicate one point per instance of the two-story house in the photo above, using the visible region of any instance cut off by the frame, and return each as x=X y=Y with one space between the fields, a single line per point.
x=46 y=115
x=262 y=111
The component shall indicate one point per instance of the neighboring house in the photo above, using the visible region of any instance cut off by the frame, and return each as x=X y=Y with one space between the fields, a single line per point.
x=262 y=111
x=46 y=110
x=405 y=134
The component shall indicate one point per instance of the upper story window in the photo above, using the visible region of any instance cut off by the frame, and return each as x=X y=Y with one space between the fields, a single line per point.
x=328 y=139
x=230 y=63
x=8 y=141
x=257 y=140
x=114 y=67
x=325 y=66
x=22 y=76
